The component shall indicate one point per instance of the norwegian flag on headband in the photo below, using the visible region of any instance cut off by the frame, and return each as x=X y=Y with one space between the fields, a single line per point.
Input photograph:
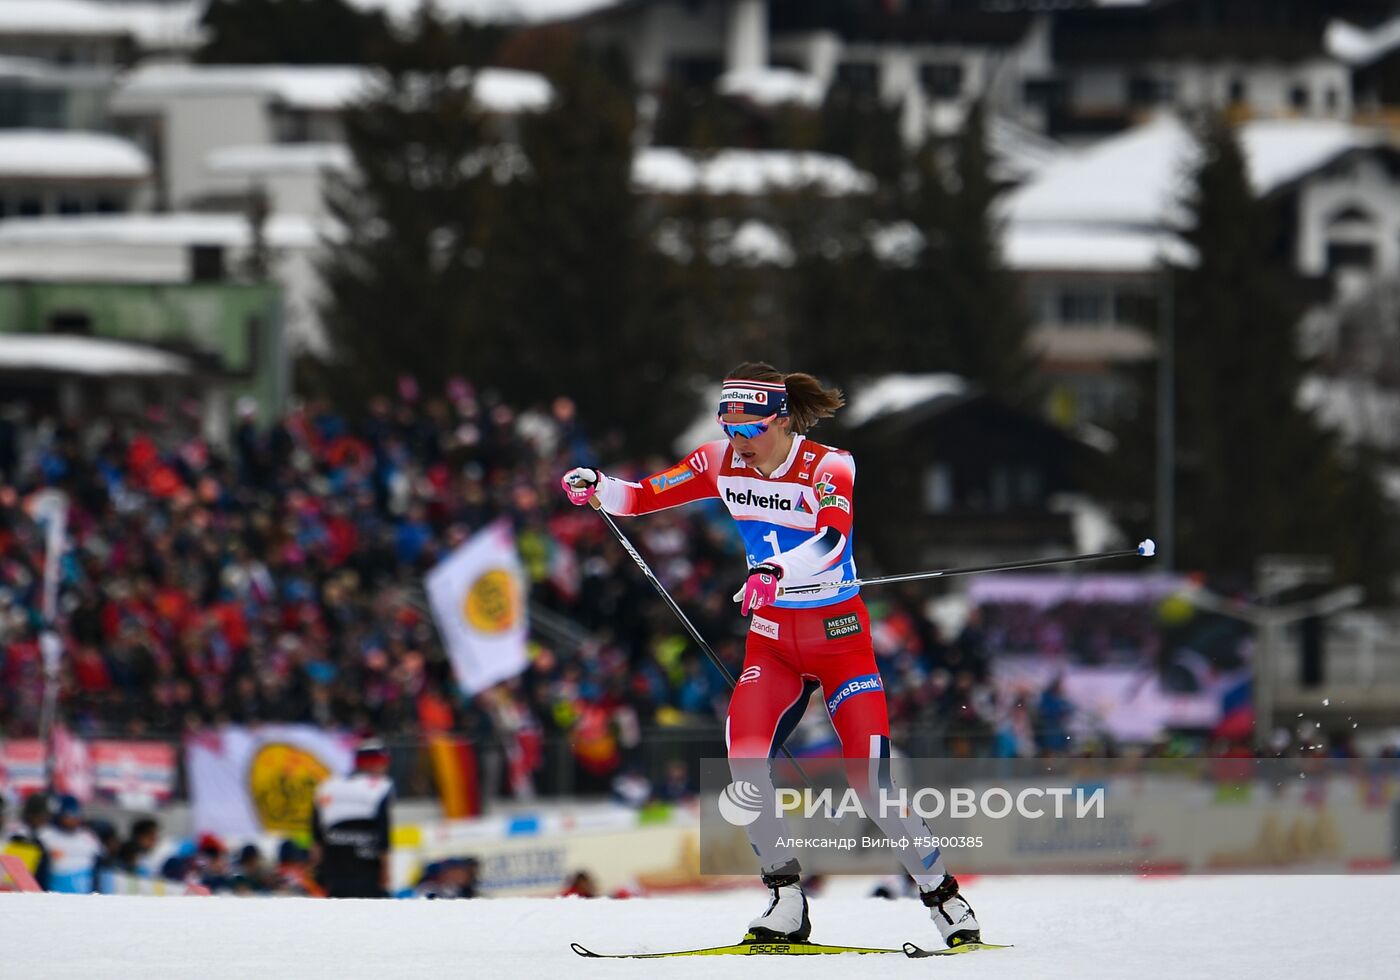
x=739 y=396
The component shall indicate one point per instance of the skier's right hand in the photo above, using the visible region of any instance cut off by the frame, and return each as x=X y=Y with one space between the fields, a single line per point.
x=580 y=484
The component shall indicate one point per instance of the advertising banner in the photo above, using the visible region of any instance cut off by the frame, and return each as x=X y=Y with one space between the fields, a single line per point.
x=133 y=774
x=245 y=782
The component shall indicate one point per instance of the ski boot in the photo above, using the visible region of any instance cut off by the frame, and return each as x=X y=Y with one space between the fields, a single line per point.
x=951 y=913
x=786 y=919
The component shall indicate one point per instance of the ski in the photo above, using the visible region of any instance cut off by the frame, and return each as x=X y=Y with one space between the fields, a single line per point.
x=917 y=952
x=741 y=949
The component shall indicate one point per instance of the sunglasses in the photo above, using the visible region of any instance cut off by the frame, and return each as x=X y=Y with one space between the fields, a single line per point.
x=749 y=430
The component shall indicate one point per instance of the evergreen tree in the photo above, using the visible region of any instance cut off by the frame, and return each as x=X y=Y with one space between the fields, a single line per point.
x=714 y=305
x=831 y=322
x=402 y=272
x=1252 y=464
x=290 y=32
x=574 y=276
x=863 y=130
x=1254 y=474
x=969 y=316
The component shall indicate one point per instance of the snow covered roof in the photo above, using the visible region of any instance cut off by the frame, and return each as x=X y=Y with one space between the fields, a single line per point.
x=62 y=264
x=773 y=86
x=94 y=356
x=654 y=170
x=896 y=392
x=1019 y=152
x=158 y=25
x=491 y=11
x=69 y=155
x=1140 y=176
x=179 y=229
x=1357 y=46
x=68 y=76
x=301 y=86
x=665 y=170
x=279 y=158
x=325 y=88
x=1053 y=246
x=11 y=66
x=1091 y=248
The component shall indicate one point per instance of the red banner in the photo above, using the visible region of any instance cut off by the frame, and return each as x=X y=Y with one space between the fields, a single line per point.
x=133 y=771
x=21 y=766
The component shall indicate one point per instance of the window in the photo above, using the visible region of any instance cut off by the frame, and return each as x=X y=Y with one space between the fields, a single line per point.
x=858 y=77
x=30 y=207
x=1083 y=307
x=1030 y=484
x=12 y=107
x=938 y=488
x=1298 y=98
x=1133 y=308
x=1000 y=487
x=1350 y=255
x=942 y=80
x=67 y=204
x=1097 y=398
x=695 y=71
x=70 y=321
x=293 y=126
x=1144 y=91
x=1330 y=99
x=46 y=109
x=207 y=263
x=1239 y=91
x=1046 y=93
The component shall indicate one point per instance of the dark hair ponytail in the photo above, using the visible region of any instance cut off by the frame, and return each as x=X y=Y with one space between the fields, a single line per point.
x=808 y=401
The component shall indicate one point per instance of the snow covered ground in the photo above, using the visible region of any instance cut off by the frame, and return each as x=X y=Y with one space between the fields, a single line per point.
x=1080 y=928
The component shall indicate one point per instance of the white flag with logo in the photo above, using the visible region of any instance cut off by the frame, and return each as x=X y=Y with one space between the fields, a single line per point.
x=477 y=595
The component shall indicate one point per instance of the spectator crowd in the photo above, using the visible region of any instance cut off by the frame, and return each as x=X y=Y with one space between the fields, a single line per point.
x=277 y=577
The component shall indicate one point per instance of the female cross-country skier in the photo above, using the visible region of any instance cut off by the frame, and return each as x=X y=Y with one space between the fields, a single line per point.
x=792 y=499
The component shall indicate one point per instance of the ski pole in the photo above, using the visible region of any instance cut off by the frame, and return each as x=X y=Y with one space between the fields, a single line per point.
x=1145 y=549
x=680 y=614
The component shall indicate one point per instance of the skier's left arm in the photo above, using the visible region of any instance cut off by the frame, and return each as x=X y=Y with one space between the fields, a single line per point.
x=817 y=553
x=834 y=486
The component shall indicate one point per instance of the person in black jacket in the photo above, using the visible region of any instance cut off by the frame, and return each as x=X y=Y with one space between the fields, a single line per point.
x=350 y=828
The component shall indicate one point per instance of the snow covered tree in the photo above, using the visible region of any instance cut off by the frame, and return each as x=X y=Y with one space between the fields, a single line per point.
x=573 y=274
x=965 y=312
x=1254 y=472
x=402 y=269
x=289 y=32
